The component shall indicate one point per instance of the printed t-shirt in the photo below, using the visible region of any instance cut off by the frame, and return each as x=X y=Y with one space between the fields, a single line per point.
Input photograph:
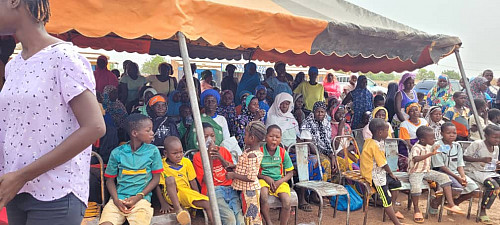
x=218 y=171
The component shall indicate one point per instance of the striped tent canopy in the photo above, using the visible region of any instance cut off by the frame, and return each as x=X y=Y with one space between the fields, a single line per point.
x=331 y=34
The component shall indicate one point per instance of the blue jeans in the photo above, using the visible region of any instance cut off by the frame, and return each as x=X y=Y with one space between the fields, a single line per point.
x=24 y=209
x=229 y=205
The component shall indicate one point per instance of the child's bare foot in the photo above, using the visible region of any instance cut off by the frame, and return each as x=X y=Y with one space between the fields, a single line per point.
x=183 y=217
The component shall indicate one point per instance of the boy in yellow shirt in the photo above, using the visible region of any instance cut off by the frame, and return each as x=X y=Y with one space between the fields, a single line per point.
x=376 y=171
x=179 y=184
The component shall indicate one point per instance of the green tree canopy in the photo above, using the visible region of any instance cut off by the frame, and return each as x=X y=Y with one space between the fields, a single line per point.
x=425 y=74
x=151 y=66
x=381 y=76
x=452 y=74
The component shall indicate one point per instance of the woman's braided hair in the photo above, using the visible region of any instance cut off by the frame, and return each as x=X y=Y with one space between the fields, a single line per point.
x=257 y=129
x=39 y=9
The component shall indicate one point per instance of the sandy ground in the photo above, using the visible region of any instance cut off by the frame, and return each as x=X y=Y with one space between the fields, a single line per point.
x=375 y=215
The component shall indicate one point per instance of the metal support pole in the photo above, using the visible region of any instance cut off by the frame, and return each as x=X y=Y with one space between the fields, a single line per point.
x=469 y=94
x=199 y=128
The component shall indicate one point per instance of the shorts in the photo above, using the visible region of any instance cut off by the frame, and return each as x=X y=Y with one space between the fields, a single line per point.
x=283 y=188
x=187 y=196
x=471 y=185
x=392 y=184
x=385 y=195
x=141 y=214
x=416 y=180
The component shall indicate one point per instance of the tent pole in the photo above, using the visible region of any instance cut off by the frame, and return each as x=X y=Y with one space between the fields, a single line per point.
x=469 y=93
x=199 y=127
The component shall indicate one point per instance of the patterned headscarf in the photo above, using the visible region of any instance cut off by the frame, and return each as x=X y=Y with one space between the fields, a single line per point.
x=405 y=77
x=410 y=105
x=318 y=105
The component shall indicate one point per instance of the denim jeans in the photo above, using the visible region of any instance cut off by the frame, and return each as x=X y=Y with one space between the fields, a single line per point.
x=24 y=209
x=229 y=205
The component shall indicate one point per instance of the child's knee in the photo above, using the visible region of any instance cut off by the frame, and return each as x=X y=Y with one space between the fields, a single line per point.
x=285 y=201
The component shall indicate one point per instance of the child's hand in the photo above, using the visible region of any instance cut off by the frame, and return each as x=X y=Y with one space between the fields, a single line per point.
x=130 y=202
x=121 y=206
x=463 y=181
x=486 y=159
x=269 y=181
x=166 y=208
x=435 y=149
x=230 y=175
x=276 y=185
x=231 y=168
x=260 y=114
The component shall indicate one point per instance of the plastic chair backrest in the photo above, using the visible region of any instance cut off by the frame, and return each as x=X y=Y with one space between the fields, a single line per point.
x=464 y=144
x=392 y=152
x=190 y=153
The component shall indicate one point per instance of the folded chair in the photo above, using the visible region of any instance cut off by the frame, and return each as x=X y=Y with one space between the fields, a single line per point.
x=94 y=209
x=322 y=188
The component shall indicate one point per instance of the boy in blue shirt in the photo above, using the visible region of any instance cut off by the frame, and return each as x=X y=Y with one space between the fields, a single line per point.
x=137 y=167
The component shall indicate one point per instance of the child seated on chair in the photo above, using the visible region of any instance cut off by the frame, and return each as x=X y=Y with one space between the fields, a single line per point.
x=480 y=159
x=275 y=172
x=450 y=161
x=376 y=171
x=222 y=162
x=245 y=177
x=459 y=115
x=179 y=185
x=420 y=169
x=137 y=167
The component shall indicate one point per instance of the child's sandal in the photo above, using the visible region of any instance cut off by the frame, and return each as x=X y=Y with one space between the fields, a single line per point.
x=183 y=217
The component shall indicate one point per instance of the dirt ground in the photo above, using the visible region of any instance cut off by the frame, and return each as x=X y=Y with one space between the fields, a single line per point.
x=375 y=215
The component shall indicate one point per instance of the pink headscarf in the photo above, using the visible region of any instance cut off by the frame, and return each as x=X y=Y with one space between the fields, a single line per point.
x=404 y=78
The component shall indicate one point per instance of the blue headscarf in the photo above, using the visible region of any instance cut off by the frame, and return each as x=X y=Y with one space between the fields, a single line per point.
x=173 y=107
x=260 y=87
x=209 y=92
x=248 y=81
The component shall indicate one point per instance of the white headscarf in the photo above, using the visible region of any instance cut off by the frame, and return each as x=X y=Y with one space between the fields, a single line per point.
x=275 y=116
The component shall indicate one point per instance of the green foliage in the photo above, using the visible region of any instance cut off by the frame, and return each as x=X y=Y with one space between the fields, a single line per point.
x=381 y=76
x=452 y=74
x=151 y=67
x=425 y=74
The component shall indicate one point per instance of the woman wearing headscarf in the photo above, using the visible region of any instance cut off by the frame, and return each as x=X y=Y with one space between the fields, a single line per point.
x=251 y=112
x=241 y=106
x=249 y=81
x=164 y=83
x=435 y=119
x=321 y=131
x=332 y=86
x=441 y=94
x=478 y=87
x=147 y=94
x=261 y=94
x=227 y=110
x=392 y=89
x=113 y=106
x=381 y=113
x=103 y=77
x=174 y=103
x=163 y=126
x=131 y=84
x=210 y=100
x=280 y=114
x=362 y=101
x=404 y=96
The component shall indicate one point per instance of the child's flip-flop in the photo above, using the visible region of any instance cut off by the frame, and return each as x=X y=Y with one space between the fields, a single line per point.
x=183 y=217
x=454 y=209
x=485 y=220
x=418 y=218
x=399 y=215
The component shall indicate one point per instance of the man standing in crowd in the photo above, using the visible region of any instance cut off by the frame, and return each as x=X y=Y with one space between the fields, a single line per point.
x=312 y=91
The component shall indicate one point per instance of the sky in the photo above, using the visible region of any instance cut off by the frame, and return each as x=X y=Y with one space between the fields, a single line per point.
x=476 y=23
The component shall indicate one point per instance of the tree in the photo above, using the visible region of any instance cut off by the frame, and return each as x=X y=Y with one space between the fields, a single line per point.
x=452 y=74
x=380 y=76
x=423 y=74
x=151 y=67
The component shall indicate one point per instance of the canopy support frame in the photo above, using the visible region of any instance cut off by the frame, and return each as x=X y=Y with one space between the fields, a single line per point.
x=208 y=179
x=469 y=93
